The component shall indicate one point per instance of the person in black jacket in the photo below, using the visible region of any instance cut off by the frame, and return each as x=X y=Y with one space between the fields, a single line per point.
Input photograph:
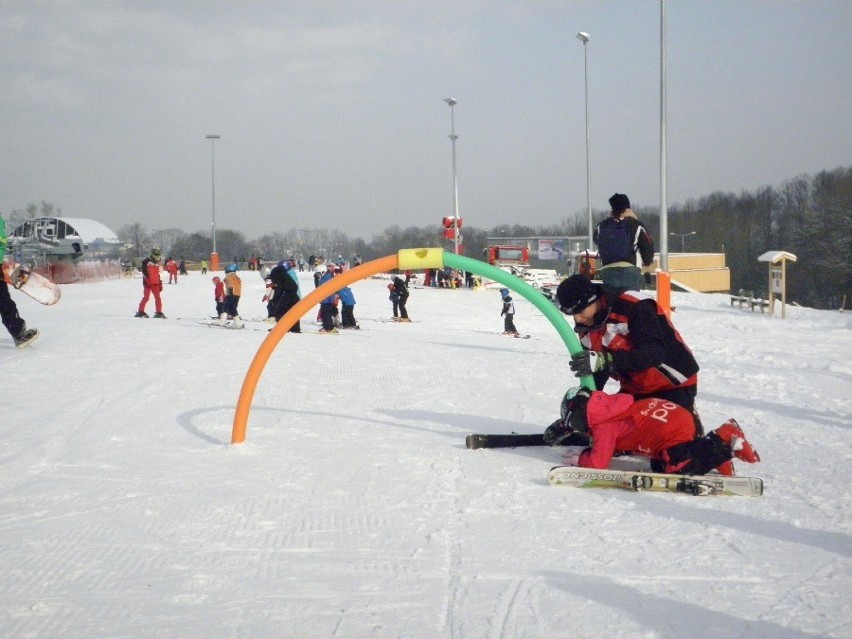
x=401 y=289
x=619 y=239
x=285 y=292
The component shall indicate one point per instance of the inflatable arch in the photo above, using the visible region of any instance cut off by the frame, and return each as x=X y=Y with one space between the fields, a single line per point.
x=413 y=259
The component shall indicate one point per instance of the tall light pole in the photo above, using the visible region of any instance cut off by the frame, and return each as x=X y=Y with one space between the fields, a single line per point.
x=664 y=213
x=683 y=237
x=584 y=38
x=214 y=256
x=453 y=137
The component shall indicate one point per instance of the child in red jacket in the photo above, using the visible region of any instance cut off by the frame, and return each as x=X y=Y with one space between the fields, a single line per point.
x=655 y=428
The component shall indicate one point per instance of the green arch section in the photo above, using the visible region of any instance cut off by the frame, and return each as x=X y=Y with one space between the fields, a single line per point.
x=437 y=258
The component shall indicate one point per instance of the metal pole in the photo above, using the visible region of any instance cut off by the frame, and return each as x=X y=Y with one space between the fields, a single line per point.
x=213 y=139
x=453 y=138
x=664 y=214
x=584 y=38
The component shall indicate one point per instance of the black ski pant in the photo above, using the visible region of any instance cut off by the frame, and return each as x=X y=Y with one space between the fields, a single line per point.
x=9 y=311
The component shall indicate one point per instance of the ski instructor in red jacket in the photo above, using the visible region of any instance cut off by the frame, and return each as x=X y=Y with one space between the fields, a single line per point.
x=151 y=283
x=631 y=340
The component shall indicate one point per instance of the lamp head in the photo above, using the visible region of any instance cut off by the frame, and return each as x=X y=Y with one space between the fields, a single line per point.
x=583 y=37
x=451 y=101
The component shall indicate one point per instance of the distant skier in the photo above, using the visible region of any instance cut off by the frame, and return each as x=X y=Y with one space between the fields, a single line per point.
x=654 y=428
x=233 y=290
x=401 y=290
x=219 y=296
x=285 y=292
x=508 y=314
x=347 y=301
x=151 y=284
x=172 y=268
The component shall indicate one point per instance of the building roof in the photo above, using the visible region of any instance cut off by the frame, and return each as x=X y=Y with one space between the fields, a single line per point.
x=91 y=231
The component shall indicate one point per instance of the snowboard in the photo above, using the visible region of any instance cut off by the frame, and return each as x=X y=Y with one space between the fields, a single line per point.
x=658 y=482
x=512 y=440
x=38 y=287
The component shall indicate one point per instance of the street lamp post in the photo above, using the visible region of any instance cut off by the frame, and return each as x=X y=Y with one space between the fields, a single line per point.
x=683 y=237
x=453 y=137
x=584 y=38
x=214 y=256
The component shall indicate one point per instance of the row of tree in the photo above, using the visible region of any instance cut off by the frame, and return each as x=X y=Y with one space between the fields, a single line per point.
x=809 y=216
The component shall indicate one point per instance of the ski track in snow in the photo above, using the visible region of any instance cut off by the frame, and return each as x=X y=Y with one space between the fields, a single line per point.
x=354 y=509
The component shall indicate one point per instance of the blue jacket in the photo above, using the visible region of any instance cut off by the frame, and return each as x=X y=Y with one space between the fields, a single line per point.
x=347 y=297
x=331 y=298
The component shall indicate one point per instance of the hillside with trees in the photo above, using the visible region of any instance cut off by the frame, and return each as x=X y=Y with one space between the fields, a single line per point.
x=809 y=216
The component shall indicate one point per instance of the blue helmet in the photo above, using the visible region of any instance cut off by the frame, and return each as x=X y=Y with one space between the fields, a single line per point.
x=231 y=268
x=285 y=264
x=504 y=292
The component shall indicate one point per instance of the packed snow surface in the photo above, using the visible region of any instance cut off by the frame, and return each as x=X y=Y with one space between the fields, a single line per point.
x=353 y=509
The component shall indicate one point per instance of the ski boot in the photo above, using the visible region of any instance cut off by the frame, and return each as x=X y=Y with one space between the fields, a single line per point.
x=731 y=433
x=141 y=314
x=160 y=315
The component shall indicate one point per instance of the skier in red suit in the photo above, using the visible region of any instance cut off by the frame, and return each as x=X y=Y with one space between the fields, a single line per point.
x=151 y=283
x=655 y=428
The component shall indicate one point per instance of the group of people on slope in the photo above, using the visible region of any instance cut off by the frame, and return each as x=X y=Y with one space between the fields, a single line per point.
x=629 y=338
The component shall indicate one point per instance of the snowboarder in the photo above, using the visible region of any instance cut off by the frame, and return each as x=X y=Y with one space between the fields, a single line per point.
x=653 y=428
x=151 y=284
x=508 y=314
x=13 y=322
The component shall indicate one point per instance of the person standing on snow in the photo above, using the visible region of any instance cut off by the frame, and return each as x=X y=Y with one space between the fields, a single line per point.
x=619 y=238
x=285 y=292
x=401 y=289
x=630 y=340
x=233 y=290
x=151 y=284
x=219 y=296
x=328 y=305
x=347 y=301
x=508 y=314
x=172 y=269
x=652 y=427
x=13 y=322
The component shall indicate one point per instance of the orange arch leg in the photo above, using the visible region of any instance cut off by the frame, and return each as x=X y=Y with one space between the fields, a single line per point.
x=381 y=265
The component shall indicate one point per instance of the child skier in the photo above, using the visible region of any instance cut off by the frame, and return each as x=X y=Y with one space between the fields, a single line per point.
x=655 y=428
x=219 y=296
x=508 y=313
x=151 y=284
x=233 y=290
x=401 y=290
x=347 y=301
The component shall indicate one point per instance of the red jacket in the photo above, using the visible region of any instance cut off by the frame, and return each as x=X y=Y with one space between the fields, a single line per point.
x=649 y=355
x=640 y=427
x=150 y=272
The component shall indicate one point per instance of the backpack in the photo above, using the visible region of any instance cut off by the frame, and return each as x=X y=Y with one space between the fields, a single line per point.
x=614 y=242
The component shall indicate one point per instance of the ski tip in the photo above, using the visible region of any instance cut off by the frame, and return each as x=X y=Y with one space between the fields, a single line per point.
x=473 y=441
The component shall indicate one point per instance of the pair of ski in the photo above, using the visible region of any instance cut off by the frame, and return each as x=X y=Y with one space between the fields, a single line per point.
x=636 y=480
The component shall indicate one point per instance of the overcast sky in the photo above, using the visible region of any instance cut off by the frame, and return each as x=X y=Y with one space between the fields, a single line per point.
x=331 y=114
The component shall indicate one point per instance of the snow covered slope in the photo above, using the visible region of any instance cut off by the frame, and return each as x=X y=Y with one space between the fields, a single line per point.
x=354 y=509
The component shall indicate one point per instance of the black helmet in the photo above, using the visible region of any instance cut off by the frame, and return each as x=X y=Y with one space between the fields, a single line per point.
x=155 y=253
x=573 y=408
x=576 y=293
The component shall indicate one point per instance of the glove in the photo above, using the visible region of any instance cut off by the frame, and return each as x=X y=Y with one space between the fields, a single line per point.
x=648 y=279
x=556 y=433
x=21 y=277
x=589 y=362
x=572 y=457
